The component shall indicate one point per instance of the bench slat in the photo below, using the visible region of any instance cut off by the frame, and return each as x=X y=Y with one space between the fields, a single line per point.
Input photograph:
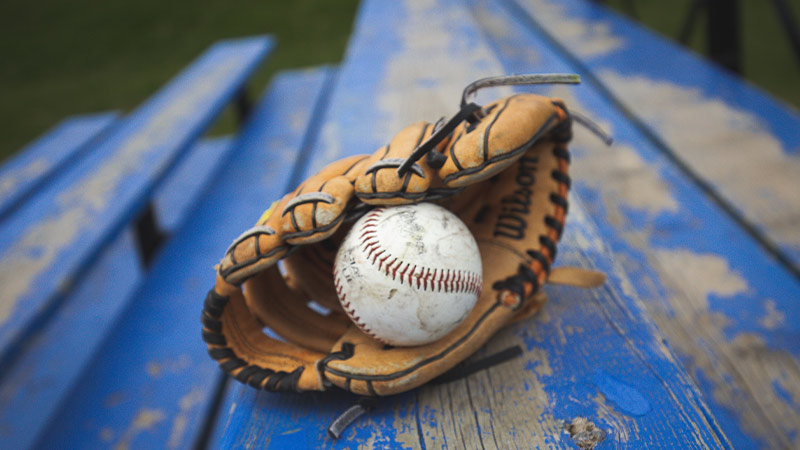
x=739 y=144
x=54 y=357
x=157 y=383
x=37 y=163
x=230 y=397
x=49 y=244
x=581 y=349
x=722 y=301
x=587 y=355
x=199 y=168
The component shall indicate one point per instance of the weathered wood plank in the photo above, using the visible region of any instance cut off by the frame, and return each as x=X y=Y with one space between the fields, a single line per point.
x=38 y=162
x=33 y=387
x=158 y=384
x=740 y=144
x=175 y=199
x=722 y=301
x=589 y=354
x=53 y=359
x=230 y=395
x=47 y=245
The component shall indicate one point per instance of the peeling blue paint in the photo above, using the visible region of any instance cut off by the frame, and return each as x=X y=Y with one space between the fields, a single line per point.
x=627 y=398
x=783 y=393
x=530 y=341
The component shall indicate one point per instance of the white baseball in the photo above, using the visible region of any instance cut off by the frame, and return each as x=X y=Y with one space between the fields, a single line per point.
x=408 y=275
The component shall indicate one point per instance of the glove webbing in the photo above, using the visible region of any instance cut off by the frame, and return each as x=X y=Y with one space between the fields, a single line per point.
x=471 y=112
x=437 y=137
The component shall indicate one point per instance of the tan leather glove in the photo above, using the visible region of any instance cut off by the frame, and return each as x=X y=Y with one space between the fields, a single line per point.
x=502 y=168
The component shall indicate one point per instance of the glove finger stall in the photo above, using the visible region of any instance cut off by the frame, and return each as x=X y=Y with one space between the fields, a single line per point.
x=380 y=184
x=256 y=249
x=506 y=131
x=318 y=207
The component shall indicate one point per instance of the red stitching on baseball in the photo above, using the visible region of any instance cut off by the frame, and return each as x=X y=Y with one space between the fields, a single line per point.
x=371 y=247
x=382 y=251
x=413 y=275
x=403 y=273
x=450 y=280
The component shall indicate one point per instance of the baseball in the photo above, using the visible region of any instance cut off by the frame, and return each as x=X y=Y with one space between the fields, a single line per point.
x=408 y=275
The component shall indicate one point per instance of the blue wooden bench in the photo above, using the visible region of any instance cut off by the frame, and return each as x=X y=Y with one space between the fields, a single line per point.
x=591 y=359
x=699 y=196
x=80 y=237
x=50 y=155
x=689 y=271
x=168 y=381
x=692 y=342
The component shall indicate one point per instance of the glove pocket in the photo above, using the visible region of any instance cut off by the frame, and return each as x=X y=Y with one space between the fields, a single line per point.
x=362 y=365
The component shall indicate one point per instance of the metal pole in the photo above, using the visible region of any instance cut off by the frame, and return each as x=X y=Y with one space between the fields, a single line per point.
x=724 y=46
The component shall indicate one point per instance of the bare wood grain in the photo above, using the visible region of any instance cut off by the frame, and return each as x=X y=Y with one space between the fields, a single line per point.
x=580 y=352
x=724 y=305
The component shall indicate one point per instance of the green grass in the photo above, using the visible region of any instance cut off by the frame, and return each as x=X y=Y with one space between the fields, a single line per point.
x=65 y=58
x=767 y=57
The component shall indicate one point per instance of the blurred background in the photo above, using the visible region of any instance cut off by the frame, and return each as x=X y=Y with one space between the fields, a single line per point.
x=84 y=56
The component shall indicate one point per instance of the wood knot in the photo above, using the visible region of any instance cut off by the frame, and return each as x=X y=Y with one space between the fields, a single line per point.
x=584 y=433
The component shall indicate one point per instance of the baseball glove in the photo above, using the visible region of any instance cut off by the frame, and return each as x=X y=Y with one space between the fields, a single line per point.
x=502 y=168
